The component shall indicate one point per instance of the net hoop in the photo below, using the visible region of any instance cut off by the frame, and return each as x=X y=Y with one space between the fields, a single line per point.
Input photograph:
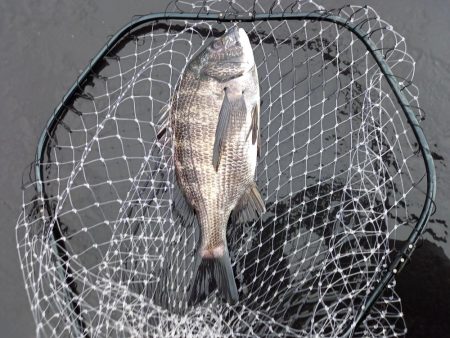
x=402 y=256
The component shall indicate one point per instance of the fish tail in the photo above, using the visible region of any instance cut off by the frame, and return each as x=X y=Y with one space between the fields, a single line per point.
x=214 y=270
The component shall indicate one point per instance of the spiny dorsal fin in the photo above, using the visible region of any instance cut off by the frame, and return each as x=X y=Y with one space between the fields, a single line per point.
x=163 y=121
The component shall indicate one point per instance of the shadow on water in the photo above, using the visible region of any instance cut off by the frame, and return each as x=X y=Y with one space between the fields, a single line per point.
x=425 y=296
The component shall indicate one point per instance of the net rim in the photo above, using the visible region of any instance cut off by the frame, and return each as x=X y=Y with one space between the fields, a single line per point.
x=378 y=54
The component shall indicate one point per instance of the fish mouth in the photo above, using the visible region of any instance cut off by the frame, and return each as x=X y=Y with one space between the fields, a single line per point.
x=234 y=31
x=238 y=34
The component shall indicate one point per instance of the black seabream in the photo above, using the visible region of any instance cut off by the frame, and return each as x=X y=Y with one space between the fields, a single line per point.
x=214 y=117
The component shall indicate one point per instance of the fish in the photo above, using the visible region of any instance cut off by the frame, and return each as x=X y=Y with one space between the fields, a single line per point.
x=214 y=117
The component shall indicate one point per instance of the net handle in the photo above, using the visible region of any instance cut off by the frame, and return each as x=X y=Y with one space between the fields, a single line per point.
x=406 y=251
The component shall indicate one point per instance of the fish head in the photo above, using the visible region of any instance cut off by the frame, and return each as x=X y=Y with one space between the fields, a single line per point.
x=227 y=56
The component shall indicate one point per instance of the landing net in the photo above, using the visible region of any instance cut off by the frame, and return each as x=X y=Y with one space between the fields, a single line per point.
x=103 y=252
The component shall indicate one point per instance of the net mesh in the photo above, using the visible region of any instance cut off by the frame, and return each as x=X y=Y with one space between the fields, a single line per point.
x=103 y=252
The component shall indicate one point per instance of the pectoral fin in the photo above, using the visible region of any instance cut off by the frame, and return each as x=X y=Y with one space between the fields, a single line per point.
x=254 y=128
x=232 y=105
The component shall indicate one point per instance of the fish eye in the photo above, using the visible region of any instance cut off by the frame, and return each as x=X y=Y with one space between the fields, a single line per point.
x=217 y=44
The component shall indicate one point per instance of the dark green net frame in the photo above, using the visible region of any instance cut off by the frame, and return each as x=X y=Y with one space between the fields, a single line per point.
x=378 y=55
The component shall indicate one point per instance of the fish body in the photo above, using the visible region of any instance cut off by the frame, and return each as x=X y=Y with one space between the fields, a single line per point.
x=214 y=118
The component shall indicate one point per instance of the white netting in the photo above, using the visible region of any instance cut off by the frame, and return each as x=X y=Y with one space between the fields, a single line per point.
x=104 y=253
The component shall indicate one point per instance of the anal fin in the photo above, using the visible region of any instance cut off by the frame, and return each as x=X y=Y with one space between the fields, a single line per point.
x=250 y=206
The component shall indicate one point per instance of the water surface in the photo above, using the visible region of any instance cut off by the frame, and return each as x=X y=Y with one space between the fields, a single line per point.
x=45 y=44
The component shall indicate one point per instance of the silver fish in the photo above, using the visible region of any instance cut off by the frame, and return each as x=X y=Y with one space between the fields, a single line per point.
x=214 y=117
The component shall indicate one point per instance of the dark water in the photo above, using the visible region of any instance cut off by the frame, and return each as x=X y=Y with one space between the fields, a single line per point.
x=45 y=44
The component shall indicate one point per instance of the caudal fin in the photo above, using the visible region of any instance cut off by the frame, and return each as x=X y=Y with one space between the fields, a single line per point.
x=214 y=272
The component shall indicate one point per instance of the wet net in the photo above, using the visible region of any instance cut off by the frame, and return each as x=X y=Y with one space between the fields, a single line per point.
x=341 y=172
